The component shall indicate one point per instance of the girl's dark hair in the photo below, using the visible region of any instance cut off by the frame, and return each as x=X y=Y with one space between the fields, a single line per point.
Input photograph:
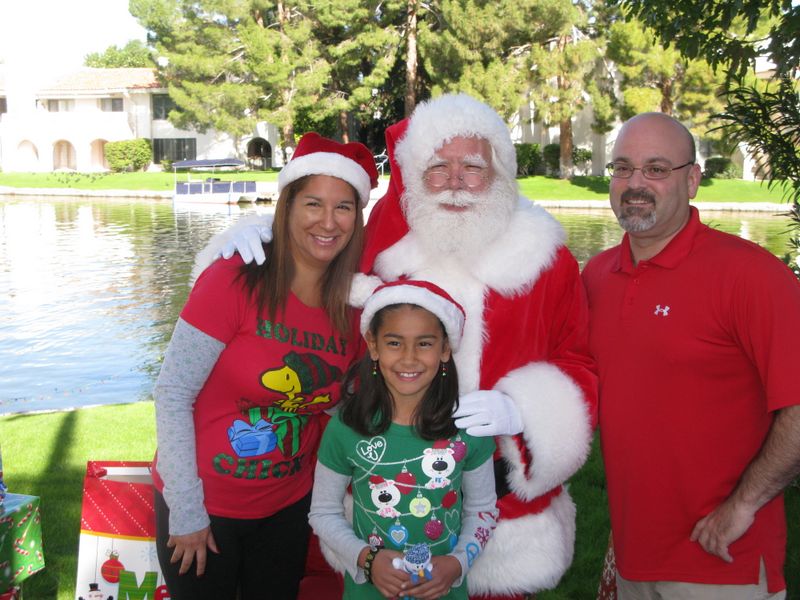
x=367 y=405
x=270 y=283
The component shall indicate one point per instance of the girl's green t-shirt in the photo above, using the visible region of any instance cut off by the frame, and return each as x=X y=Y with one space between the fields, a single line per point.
x=406 y=490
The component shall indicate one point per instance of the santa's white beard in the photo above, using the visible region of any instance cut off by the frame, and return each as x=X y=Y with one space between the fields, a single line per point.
x=461 y=234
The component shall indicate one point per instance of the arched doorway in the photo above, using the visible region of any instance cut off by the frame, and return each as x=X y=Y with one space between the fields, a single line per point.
x=259 y=153
x=27 y=156
x=99 y=162
x=63 y=155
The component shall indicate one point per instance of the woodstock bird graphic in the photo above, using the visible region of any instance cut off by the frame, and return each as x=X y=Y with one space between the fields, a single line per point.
x=299 y=377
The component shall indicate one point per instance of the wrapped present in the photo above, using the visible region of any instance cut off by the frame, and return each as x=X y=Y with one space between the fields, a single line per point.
x=117 y=551
x=12 y=594
x=21 y=552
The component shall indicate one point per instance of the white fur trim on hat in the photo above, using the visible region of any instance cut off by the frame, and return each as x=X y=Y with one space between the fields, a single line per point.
x=452 y=115
x=327 y=163
x=422 y=294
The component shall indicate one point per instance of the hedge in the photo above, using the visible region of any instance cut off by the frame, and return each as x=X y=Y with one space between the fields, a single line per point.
x=129 y=155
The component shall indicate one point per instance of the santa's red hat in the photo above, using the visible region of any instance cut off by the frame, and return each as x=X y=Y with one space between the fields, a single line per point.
x=316 y=155
x=412 y=143
x=421 y=293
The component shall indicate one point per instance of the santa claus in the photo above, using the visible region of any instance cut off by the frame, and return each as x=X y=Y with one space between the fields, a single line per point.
x=453 y=215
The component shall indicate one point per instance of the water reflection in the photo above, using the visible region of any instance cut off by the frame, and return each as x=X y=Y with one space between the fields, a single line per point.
x=592 y=230
x=93 y=288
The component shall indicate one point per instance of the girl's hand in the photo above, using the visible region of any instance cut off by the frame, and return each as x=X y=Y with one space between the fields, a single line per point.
x=445 y=570
x=191 y=547
x=388 y=580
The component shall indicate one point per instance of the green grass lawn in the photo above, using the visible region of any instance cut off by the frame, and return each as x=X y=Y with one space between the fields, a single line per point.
x=596 y=188
x=122 y=181
x=45 y=455
x=536 y=188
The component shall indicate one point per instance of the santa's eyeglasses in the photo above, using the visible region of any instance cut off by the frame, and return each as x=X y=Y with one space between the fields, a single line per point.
x=470 y=176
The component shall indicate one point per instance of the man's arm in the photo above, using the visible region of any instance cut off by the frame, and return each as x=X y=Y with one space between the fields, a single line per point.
x=773 y=468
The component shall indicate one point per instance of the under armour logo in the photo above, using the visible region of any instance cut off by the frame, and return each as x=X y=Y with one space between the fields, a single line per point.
x=661 y=310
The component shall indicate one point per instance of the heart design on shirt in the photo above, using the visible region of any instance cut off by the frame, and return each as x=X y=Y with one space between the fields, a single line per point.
x=373 y=449
x=452 y=520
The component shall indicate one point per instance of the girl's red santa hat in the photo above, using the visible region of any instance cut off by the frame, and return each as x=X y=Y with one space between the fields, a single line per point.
x=420 y=293
x=317 y=155
x=411 y=145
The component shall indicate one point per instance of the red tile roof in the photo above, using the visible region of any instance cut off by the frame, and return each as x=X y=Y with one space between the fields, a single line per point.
x=88 y=80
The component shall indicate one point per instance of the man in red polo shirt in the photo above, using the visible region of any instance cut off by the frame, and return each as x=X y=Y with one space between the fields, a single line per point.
x=696 y=335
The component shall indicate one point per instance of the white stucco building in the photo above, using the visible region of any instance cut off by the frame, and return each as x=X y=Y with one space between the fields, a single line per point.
x=66 y=124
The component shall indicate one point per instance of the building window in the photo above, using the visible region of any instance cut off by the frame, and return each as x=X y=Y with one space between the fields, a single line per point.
x=60 y=105
x=174 y=149
x=3 y=105
x=162 y=104
x=111 y=104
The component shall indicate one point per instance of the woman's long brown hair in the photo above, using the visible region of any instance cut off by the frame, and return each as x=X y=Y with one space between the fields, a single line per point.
x=271 y=282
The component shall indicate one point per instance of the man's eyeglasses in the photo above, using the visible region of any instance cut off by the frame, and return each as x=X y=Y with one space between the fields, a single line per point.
x=622 y=170
x=471 y=177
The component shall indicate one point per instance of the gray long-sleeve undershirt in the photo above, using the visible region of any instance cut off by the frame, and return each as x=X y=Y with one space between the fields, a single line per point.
x=328 y=519
x=190 y=357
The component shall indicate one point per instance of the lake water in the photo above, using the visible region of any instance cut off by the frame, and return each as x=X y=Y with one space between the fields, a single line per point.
x=91 y=288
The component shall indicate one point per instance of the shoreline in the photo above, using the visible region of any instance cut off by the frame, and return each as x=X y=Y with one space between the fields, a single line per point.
x=377 y=193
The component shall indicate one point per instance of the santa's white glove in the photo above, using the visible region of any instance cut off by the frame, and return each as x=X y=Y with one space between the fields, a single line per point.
x=247 y=242
x=488 y=412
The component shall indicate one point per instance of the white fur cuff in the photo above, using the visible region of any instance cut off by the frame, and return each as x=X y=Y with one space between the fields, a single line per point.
x=527 y=554
x=556 y=428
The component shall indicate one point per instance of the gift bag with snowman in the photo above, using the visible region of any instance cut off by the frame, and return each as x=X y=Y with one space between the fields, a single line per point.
x=117 y=551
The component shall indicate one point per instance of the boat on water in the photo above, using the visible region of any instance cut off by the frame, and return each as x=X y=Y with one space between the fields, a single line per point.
x=213 y=190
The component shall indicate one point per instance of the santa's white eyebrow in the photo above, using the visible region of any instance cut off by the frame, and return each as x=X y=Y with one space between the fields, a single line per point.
x=471 y=160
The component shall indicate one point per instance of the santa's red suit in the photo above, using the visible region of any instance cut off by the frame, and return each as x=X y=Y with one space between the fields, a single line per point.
x=525 y=335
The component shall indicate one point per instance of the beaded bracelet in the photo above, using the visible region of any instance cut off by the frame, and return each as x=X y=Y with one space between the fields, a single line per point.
x=368 y=563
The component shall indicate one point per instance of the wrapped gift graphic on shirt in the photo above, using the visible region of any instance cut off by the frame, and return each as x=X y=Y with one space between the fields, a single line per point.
x=254 y=438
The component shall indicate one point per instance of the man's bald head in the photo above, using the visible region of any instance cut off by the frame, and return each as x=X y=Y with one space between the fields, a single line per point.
x=673 y=133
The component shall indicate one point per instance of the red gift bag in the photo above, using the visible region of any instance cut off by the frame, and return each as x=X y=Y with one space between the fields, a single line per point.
x=117 y=551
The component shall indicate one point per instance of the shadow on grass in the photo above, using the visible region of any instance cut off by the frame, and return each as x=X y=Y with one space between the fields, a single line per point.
x=60 y=487
x=599 y=185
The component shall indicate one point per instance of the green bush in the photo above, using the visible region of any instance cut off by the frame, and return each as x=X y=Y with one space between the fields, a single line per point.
x=129 y=155
x=581 y=155
x=529 y=159
x=719 y=167
x=552 y=158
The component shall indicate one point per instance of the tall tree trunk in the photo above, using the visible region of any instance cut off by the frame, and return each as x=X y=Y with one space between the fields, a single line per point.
x=288 y=128
x=343 y=126
x=411 y=58
x=565 y=134
x=666 y=96
x=287 y=132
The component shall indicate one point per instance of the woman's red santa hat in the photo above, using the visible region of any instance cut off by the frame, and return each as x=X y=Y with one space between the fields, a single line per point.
x=420 y=293
x=413 y=142
x=317 y=155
